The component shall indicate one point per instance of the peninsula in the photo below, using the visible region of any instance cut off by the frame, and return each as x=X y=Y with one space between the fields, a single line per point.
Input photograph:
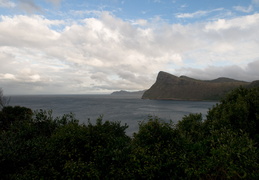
x=168 y=86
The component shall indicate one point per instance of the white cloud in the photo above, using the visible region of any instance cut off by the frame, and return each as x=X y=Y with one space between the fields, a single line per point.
x=184 y=6
x=8 y=76
x=245 y=22
x=244 y=9
x=197 y=13
x=84 y=13
x=55 y=2
x=106 y=53
x=192 y=15
x=29 y=6
x=140 y=22
x=28 y=31
x=7 y=4
x=255 y=2
x=247 y=72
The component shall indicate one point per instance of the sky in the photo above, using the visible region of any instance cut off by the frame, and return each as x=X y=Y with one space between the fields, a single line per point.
x=101 y=46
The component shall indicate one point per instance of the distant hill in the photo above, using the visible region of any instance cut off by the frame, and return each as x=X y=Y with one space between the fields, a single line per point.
x=137 y=94
x=168 y=86
x=254 y=84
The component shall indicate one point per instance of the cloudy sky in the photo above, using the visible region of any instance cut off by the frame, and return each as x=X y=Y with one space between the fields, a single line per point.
x=99 y=46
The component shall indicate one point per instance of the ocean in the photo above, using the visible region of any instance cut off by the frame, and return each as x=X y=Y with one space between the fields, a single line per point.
x=127 y=110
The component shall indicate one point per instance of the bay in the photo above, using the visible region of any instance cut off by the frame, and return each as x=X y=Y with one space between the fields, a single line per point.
x=127 y=110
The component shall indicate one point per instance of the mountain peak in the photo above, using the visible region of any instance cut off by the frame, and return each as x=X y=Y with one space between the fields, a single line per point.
x=164 y=76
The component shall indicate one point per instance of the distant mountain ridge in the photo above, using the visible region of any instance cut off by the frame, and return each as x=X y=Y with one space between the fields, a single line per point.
x=128 y=93
x=168 y=86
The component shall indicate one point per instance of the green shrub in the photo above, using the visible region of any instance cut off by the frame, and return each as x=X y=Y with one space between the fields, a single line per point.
x=156 y=148
x=10 y=115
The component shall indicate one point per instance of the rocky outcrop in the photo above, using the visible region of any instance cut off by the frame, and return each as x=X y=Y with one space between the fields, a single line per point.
x=168 y=86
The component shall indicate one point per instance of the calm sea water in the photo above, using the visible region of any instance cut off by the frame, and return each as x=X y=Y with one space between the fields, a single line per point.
x=127 y=110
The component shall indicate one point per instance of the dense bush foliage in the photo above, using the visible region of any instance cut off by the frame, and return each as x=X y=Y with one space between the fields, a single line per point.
x=35 y=145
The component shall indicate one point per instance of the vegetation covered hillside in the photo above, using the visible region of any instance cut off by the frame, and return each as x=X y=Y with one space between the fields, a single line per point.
x=168 y=86
x=34 y=145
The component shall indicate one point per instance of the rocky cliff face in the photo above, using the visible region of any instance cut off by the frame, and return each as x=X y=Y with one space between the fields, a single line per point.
x=168 y=86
